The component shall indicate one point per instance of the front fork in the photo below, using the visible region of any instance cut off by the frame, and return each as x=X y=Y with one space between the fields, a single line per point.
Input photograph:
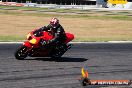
x=30 y=48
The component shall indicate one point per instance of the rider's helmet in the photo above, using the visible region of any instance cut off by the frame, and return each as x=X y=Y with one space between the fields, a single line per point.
x=54 y=22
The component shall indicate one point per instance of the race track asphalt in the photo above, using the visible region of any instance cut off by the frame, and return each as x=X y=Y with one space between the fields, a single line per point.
x=102 y=60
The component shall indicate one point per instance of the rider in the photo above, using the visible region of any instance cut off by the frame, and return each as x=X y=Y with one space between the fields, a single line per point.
x=56 y=30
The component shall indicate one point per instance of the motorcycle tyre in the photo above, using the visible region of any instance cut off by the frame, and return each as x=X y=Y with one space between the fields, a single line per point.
x=55 y=57
x=22 y=54
x=58 y=57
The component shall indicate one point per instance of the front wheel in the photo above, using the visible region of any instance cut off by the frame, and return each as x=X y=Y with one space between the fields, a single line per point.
x=21 y=53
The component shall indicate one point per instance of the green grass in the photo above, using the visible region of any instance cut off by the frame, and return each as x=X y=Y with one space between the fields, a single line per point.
x=102 y=16
x=87 y=16
x=82 y=13
x=103 y=39
x=11 y=38
x=78 y=39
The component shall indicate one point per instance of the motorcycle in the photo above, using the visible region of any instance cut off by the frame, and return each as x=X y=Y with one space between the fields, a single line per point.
x=33 y=47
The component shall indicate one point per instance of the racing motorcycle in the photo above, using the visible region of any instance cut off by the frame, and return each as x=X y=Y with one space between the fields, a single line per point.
x=33 y=47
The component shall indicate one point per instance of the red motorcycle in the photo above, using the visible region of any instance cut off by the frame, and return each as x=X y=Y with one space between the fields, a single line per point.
x=34 y=48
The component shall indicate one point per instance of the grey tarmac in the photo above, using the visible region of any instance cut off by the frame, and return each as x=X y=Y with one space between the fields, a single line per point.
x=102 y=60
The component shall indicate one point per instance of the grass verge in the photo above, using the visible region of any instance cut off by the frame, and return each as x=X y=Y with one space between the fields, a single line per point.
x=97 y=26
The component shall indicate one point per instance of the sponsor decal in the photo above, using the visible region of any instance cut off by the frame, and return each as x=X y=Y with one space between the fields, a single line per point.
x=117 y=1
x=86 y=81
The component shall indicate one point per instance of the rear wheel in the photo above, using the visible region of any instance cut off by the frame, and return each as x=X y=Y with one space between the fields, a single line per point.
x=59 y=51
x=56 y=56
x=21 y=53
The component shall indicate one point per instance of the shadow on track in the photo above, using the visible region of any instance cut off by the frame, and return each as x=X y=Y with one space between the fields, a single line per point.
x=63 y=59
